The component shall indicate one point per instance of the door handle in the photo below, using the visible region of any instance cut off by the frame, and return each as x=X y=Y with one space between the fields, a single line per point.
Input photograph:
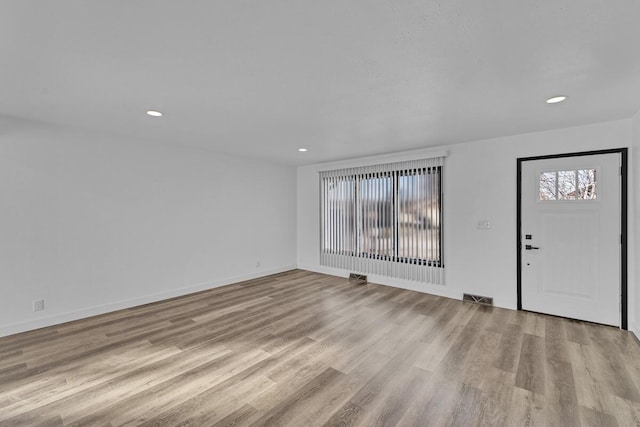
x=529 y=247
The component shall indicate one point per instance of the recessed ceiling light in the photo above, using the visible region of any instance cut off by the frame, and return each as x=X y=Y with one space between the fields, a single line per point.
x=556 y=99
x=154 y=113
x=302 y=150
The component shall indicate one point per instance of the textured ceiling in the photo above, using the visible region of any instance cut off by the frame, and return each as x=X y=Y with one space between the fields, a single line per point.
x=342 y=78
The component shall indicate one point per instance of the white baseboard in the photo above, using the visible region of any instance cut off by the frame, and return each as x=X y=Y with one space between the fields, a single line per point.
x=633 y=327
x=15 y=328
x=425 y=288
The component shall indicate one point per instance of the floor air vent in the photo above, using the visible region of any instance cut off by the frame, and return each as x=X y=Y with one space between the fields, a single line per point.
x=478 y=299
x=358 y=278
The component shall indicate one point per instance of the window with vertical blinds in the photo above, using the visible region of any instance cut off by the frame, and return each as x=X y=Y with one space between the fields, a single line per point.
x=384 y=219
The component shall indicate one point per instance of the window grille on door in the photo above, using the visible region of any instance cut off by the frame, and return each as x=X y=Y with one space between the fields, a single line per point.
x=580 y=184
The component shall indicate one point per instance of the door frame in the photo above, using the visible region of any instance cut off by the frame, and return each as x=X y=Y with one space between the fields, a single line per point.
x=623 y=221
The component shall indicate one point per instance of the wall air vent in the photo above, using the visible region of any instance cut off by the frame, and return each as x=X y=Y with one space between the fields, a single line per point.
x=478 y=299
x=360 y=279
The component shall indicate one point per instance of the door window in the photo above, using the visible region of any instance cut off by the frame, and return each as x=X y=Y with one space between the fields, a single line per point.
x=577 y=184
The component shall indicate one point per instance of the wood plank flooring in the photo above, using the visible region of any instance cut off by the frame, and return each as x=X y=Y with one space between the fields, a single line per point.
x=306 y=349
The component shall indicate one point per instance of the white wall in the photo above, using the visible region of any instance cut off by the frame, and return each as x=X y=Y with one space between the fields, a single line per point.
x=479 y=183
x=92 y=223
x=634 y=260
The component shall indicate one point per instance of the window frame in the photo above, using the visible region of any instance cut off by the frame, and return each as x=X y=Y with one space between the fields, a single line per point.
x=358 y=202
x=597 y=178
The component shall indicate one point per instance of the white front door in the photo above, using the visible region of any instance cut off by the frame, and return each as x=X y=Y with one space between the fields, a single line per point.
x=570 y=223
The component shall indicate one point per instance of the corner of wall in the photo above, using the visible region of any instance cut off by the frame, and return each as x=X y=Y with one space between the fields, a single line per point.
x=635 y=329
x=634 y=250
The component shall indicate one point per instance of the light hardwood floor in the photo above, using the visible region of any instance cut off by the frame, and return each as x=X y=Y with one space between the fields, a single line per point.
x=302 y=348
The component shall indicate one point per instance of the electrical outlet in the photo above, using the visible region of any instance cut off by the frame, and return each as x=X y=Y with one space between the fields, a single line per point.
x=484 y=224
x=38 y=305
